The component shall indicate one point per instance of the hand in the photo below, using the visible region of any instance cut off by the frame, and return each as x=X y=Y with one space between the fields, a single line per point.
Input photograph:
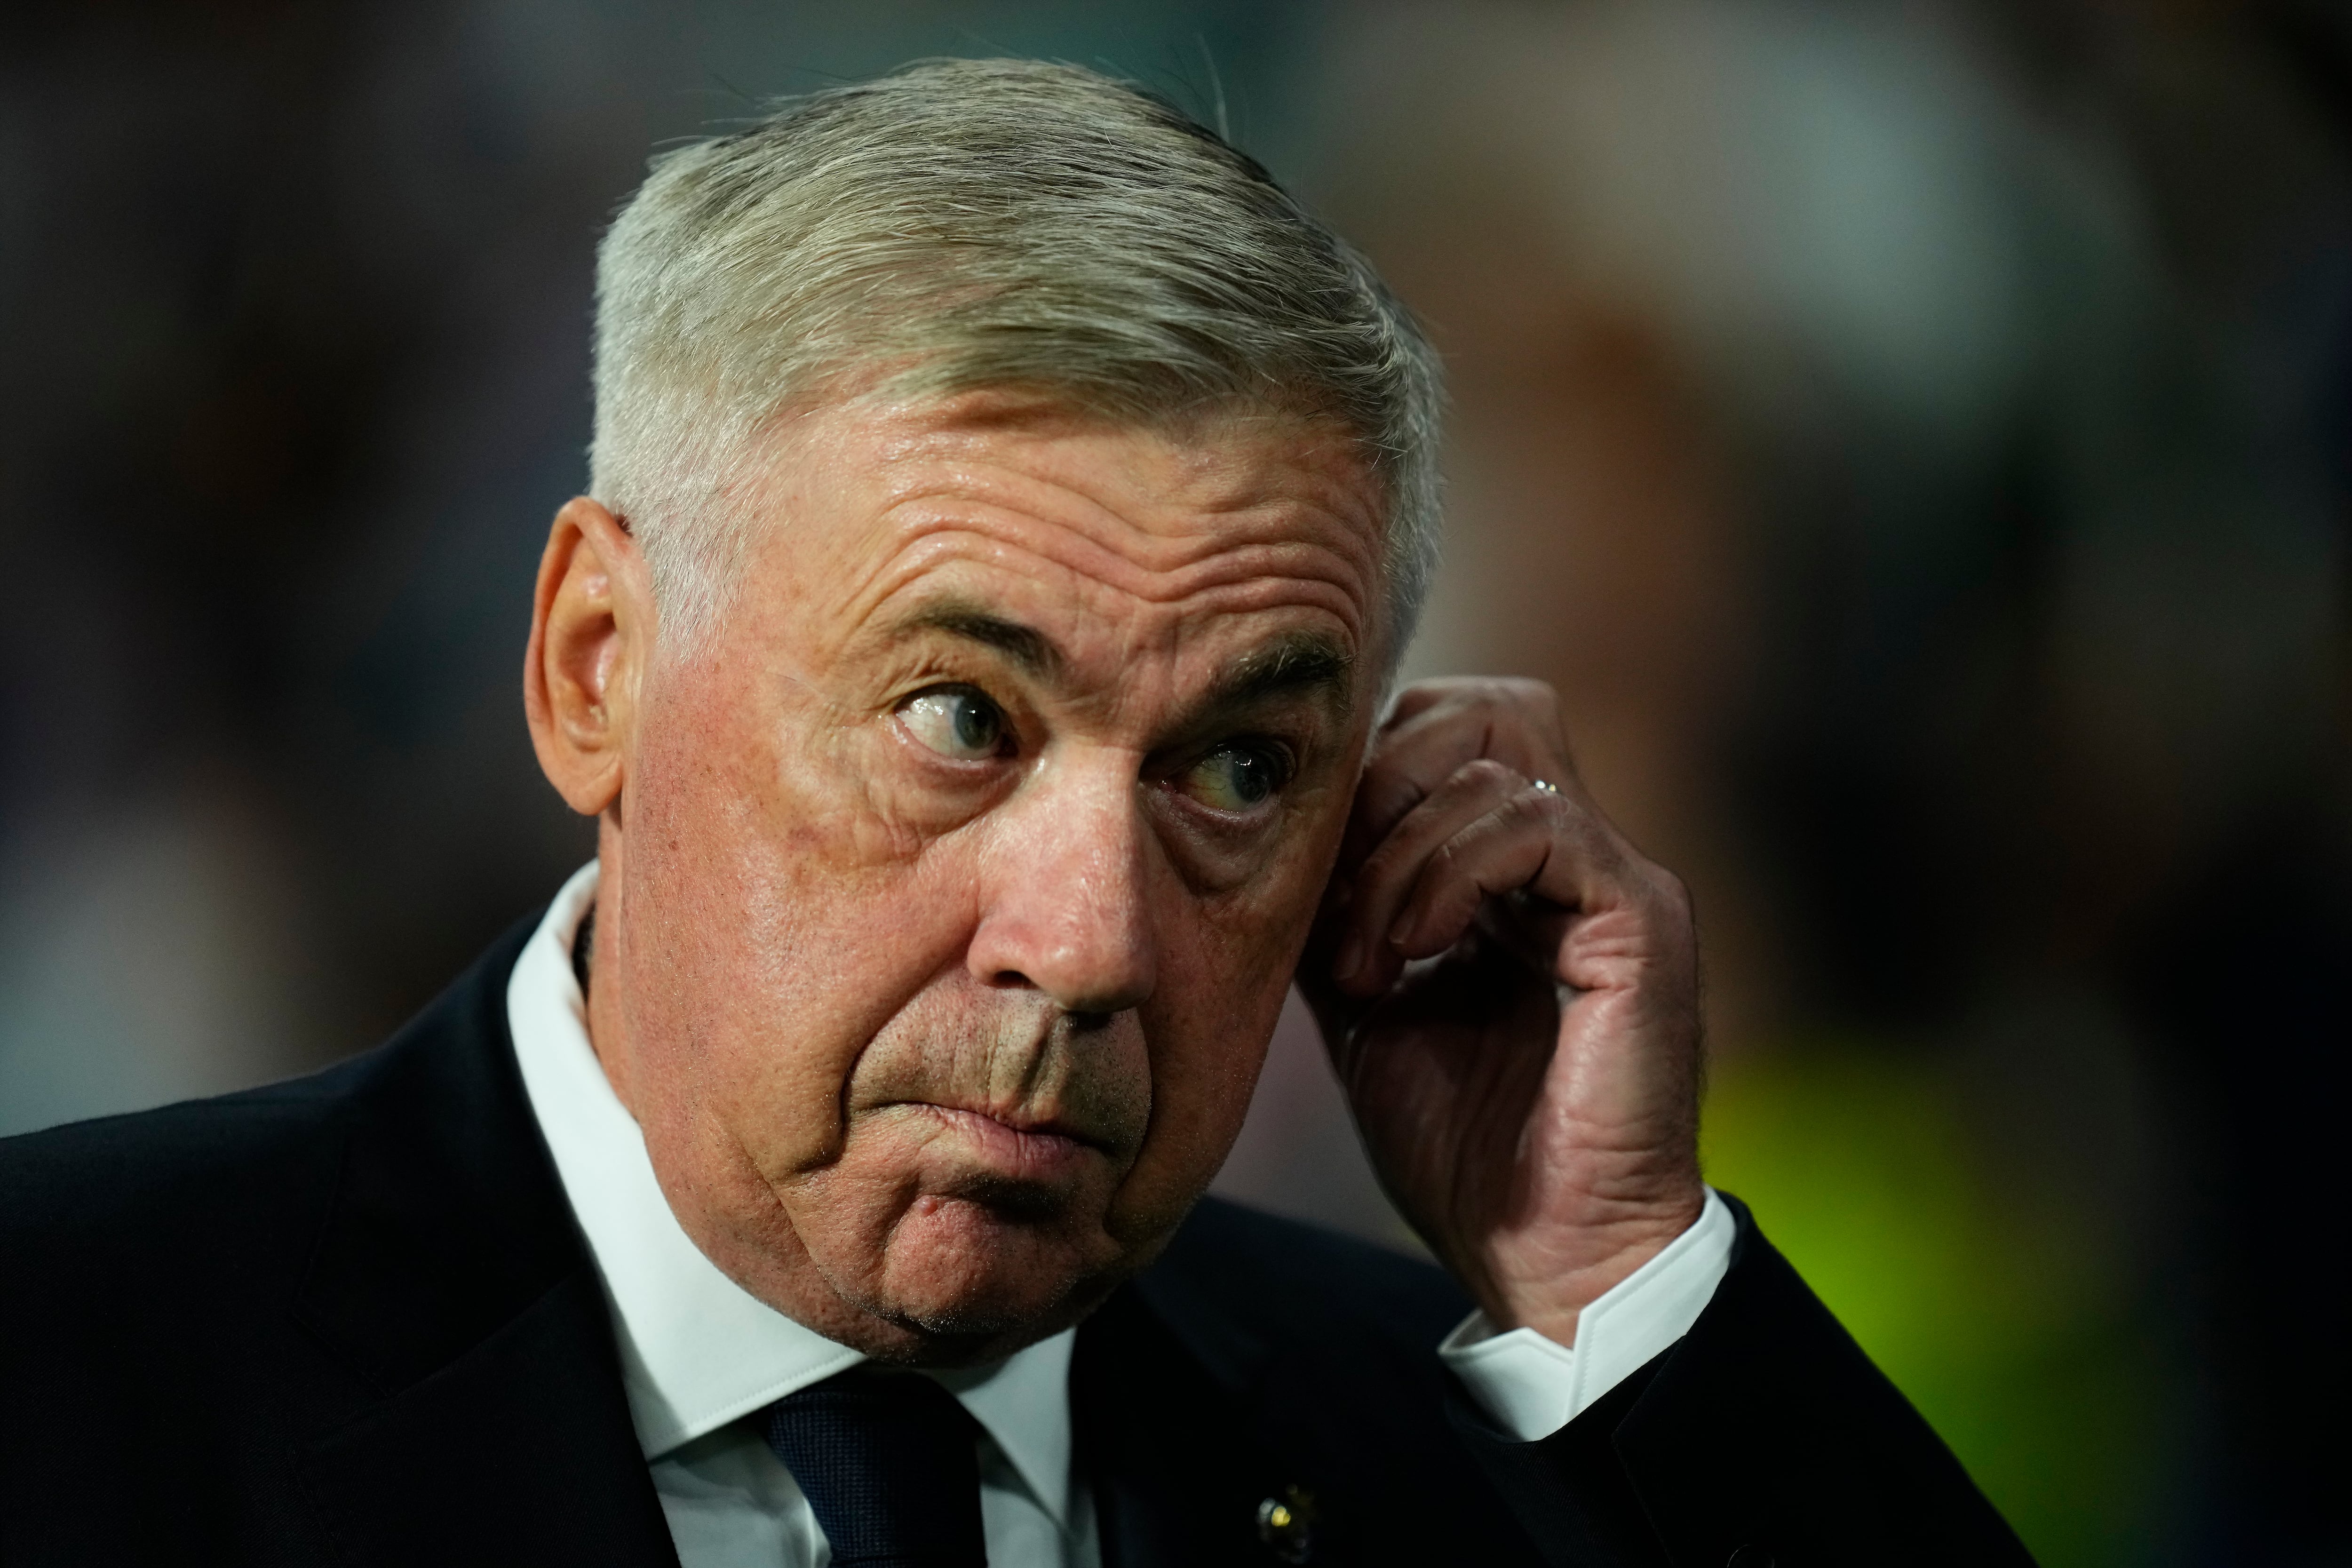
x=1510 y=995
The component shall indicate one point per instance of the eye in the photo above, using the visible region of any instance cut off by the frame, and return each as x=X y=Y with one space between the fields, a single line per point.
x=955 y=721
x=1238 y=777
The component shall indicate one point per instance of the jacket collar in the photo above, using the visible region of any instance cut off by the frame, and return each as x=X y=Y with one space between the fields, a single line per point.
x=450 y=1279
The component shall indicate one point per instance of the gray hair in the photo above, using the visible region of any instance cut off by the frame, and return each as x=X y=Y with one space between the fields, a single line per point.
x=978 y=224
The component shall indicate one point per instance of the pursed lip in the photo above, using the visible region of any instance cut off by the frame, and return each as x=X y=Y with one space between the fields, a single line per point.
x=1038 y=1146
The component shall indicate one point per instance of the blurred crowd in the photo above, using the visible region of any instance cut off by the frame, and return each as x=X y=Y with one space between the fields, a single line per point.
x=1915 y=439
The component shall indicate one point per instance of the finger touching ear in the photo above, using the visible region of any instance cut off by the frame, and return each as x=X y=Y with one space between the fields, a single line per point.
x=591 y=621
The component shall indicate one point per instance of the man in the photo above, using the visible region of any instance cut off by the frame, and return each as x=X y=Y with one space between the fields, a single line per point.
x=1007 y=511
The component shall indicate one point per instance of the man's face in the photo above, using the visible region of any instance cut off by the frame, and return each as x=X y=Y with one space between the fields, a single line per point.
x=956 y=880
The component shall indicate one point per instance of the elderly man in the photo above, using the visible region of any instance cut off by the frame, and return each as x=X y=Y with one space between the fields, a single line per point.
x=1008 y=509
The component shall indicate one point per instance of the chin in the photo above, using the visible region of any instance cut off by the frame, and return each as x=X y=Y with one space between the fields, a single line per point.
x=987 y=1279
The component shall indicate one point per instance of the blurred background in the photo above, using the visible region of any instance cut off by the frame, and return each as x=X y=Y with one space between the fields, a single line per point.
x=1916 y=439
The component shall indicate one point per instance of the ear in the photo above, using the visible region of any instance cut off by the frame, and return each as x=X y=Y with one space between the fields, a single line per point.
x=591 y=629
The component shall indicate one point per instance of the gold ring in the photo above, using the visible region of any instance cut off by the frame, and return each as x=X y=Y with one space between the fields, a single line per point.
x=1545 y=785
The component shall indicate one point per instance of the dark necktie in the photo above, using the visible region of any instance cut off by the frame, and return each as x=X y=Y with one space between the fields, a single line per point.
x=887 y=1461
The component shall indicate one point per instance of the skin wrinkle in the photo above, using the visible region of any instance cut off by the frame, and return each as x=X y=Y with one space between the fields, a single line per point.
x=1259 y=578
x=1135 y=562
x=1156 y=610
x=1275 y=564
x=1248 y=569
x=934 y=1040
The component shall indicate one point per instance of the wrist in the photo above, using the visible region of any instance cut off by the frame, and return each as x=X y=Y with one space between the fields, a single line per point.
x=1545 y=1283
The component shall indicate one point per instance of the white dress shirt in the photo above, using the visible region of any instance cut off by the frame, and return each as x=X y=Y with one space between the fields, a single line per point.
x=699 y=1354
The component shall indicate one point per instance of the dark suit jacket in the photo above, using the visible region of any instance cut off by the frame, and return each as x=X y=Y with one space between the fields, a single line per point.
x=349 y=1320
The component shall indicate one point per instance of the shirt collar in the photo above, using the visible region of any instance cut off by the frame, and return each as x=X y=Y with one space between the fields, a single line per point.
x=698 y=1351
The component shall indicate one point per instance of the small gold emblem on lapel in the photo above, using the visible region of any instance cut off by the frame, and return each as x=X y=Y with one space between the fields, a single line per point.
x=1286 y=1524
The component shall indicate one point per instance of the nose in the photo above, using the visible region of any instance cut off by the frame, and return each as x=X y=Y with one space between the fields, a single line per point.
x=1064 y=905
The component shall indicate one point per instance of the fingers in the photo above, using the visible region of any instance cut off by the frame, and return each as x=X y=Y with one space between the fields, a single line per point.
x=1488 y=830
x=1525 y=843
x=1437 y=727
x=1449 y=815
x=1387 y=877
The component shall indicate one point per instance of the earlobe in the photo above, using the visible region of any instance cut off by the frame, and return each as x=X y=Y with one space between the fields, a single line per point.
x=588 y=623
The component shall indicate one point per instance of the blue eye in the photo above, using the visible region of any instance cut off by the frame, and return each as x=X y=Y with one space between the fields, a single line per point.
x=955 y=721
x=1237 y=778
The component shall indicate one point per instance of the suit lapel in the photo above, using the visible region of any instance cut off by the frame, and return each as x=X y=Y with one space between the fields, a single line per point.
x=450 y=1277
x=519 y=1451
x=1179 y=1413
x=1163 y=1442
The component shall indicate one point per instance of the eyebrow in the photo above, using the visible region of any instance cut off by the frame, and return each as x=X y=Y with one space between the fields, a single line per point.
x=1301 y=662
x=1027 y=646
x=1298 y=662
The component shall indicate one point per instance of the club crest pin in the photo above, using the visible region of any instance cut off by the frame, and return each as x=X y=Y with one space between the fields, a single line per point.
x=1286 y=1524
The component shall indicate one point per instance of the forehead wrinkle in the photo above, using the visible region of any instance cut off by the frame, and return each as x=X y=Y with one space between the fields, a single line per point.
x=940 y=497
x=1162 y=529
x=1209 y=455
x=1134 y=558
x=1133 y=630
x=993 y=534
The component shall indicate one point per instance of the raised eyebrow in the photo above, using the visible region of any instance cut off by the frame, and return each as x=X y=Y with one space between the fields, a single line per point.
x=1027 y=646
x=1301 y=662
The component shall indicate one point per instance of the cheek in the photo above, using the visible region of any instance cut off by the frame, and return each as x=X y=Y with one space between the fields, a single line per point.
x=772 y=932
x=1226 y=968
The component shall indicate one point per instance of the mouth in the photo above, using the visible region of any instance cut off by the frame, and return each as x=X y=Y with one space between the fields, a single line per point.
x=1024 y=1149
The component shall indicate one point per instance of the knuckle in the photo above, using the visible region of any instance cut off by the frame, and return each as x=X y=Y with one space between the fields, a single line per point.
x=1485 y=774
x=1522 y=807
x=1553 y=811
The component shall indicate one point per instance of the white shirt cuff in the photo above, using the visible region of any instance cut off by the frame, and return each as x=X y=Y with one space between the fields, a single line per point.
x=1532 y=1386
